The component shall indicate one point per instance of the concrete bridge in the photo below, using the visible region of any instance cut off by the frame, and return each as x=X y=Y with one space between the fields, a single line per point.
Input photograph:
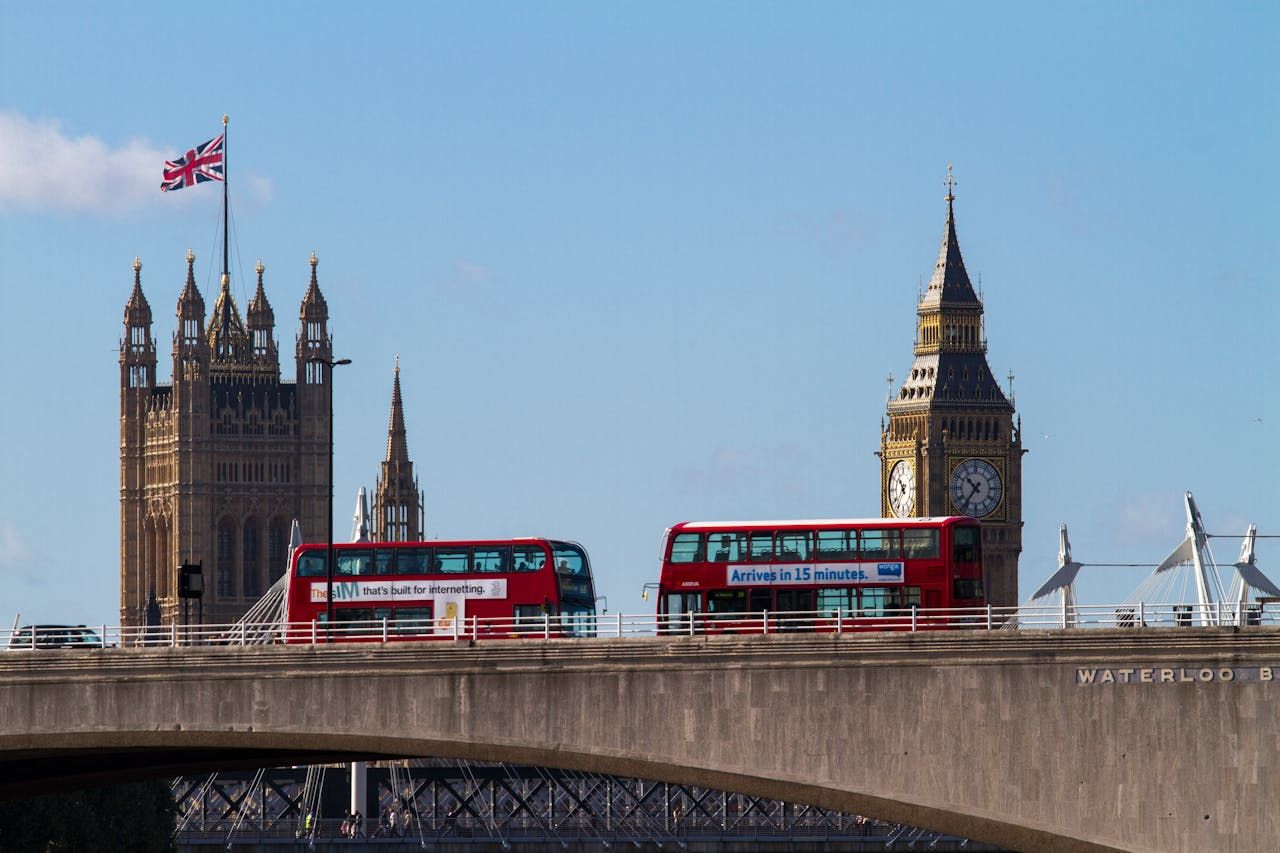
x=1155 y=739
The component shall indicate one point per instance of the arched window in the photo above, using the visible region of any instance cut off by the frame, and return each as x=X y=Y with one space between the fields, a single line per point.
x=226 y=559
x=250 y=566
x=277 y=543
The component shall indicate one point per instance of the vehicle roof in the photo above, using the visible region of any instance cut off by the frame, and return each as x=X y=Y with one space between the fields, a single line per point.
x=822 y=522
x=436 y=543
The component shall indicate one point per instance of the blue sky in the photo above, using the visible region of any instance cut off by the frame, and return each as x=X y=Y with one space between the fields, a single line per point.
x=653 y=262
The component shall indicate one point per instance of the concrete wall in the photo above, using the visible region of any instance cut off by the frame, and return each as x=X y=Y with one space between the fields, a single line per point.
x=986 y=735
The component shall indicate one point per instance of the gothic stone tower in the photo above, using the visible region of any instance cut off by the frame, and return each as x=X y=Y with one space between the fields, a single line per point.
x=952 y=446
x=215 y=467
x=397 y=507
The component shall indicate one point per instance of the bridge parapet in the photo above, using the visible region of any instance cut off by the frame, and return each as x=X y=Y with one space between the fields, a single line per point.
x=1070 y=740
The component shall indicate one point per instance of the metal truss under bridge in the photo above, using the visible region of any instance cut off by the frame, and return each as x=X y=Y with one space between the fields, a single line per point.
x=450 y=805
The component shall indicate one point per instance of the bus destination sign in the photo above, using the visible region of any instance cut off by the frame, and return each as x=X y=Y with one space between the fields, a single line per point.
x=815 y=574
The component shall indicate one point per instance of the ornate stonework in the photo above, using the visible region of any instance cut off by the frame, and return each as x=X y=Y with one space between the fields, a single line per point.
x=215 y=466
x=952 y=445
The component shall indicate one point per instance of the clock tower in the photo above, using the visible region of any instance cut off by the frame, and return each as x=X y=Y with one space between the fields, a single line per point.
x=952 y=445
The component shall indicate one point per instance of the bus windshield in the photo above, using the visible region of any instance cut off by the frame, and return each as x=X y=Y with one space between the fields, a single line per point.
x=570 y=558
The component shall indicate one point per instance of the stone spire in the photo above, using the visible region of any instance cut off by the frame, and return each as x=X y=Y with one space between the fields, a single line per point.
x=262 y=322
x=228 y=340
x=397 y=507
x=137 y=311
x=950 y=281
x=190 y=302
x=397 y=443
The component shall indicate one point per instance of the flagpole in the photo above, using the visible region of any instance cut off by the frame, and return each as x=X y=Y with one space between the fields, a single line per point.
x=226 y=271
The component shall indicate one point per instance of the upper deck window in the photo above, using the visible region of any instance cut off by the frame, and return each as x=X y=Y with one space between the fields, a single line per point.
x=761 y=547
x=792 y=546
x=837 y=544
x=967 y=544
x=727 y=547
x=570 y=559
x=354 y=563
x=528 y=558
x=687 y=548
x=880 y=545
x=920 y=543
x=311 y=564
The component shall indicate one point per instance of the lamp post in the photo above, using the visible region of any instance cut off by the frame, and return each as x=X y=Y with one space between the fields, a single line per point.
x=330 y=363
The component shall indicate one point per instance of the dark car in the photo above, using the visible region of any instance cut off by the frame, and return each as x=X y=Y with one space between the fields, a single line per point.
x=55 y=637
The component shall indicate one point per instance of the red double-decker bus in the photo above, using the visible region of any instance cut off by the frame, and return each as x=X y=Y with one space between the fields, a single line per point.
x=423 y=590
x=829 y=574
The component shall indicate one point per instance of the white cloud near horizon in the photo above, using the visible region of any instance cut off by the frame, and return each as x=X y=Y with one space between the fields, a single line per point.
x=44 y=168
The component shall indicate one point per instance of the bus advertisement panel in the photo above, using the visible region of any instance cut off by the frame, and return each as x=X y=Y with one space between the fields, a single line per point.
x=828 y=574
x=421 y=590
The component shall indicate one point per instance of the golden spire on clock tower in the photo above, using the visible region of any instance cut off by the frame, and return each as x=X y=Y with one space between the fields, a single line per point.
x=951 y=445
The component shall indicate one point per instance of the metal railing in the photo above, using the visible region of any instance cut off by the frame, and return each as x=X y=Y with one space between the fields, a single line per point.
x=647 y=625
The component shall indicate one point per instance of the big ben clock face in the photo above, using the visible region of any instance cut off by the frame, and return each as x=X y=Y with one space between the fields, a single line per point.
x=902 y=489
x=975 y=488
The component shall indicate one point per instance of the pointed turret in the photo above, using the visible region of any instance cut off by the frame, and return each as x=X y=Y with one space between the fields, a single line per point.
x=190 y=308
x=137 y=348
x=190 y=348
x=262 y=323
x=397 y=444
x=398 y=502
x=228 y=340
x=950 y=281
x=314 y=343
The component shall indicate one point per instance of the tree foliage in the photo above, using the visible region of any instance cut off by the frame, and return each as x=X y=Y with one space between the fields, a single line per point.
x=136 y=817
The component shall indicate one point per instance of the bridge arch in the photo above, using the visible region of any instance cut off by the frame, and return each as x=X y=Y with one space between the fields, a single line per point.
x=990 y=736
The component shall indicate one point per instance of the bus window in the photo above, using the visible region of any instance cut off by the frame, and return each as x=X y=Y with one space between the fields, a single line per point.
x=761 y=547
x=683 y=602
x=528 y=558
x=727 y=601
x=795 y=601
x=452 y=560
x=413 y=561
x=348 y=614
x=311 y=564
x=687 y=548
x=578 y=621
x=354 y=563
x=413 y=620
x=875 y=601
x=793 y=546
x=383 y=561
x=727 y=548
x=883 y=601
x=968 y=545
x=967 y=588
x=760 y=600
x=569 y=558
x=920 y=543
x=834 y=598
x=491 y=559
x=880 y=545
x=837 y=544
x=529 y=617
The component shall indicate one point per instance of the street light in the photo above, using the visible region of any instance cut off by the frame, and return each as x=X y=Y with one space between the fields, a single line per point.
x=328 y=562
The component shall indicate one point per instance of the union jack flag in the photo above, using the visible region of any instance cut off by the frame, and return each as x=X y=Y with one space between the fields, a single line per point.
x=200 y=164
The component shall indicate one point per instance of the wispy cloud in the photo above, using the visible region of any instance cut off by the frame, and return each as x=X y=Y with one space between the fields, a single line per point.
x=748 y=469
x=1151 y=519
x=15 y=554
x=44 y=168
